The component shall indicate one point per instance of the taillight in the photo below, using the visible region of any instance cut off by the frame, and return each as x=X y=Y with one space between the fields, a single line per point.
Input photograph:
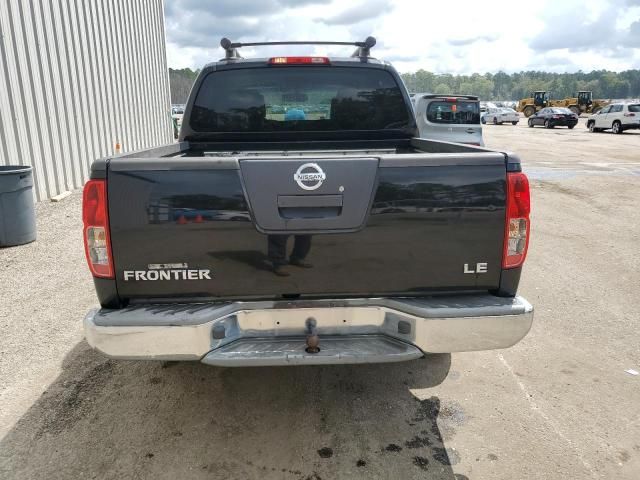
x=97 y=244
x=298 y=60
x=556 y=116
x=629 y=114
x=516 y=238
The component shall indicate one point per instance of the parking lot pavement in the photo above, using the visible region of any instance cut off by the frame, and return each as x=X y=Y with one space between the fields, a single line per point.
x=546 y=151
x=558 y=405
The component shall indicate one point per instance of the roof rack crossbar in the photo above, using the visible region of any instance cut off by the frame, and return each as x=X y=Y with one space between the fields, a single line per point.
x=231 y=48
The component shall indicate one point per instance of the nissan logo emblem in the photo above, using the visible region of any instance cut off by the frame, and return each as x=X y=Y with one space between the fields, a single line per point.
x=309 y=176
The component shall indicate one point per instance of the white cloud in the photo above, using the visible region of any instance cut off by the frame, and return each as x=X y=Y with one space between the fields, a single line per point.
x=467 y=37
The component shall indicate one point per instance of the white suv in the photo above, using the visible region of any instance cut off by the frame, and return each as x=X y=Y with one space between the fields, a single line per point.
x=618 y=117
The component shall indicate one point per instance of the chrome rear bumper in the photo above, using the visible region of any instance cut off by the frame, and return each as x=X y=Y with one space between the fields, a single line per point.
x=273 y=333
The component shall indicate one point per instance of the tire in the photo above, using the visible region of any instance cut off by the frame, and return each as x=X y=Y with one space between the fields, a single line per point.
x=495 y=121
x=530 y=123
x=571 y=127
x=528 y=111
x=514 y=123
x=575 y=110
x=592 y=127
x=616 y=127
x=483 y=121
x=547 y=124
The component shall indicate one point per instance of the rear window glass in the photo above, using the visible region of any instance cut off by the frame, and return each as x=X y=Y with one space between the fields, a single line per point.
x=565 y=111
x=453 y=112
x=634 y=108
x=280 y=99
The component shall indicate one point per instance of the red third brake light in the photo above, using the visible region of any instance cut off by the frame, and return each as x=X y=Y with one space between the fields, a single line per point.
x=97 y=244
x=518 y=226
x=298 y=60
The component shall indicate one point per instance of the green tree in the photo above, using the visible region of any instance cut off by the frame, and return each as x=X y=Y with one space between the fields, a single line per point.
x=181 y=81
x=483 y=88
x=442 y=89
x=466 y=88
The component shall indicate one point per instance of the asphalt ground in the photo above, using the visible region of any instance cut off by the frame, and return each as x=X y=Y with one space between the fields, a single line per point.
x=559 y=405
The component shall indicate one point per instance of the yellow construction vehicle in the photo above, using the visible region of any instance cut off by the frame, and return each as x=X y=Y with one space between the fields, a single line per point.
x=536 y=102
x=583 y=102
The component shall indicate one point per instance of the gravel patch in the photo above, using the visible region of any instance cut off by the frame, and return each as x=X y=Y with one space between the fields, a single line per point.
x=46 y=289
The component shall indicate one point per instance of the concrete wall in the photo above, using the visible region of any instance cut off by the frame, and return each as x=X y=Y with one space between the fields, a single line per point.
x=77 y=77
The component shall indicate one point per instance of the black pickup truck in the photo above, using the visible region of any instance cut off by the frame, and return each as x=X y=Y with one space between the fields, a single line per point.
x=300 y=220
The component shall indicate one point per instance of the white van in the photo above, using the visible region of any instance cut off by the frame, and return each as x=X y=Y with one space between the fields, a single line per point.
x=450 y=118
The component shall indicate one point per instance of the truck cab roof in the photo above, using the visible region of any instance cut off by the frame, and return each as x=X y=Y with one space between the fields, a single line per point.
x=264 y=61
x=224 y=64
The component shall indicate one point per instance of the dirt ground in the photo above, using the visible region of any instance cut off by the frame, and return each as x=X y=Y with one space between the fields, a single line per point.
x=558 y=405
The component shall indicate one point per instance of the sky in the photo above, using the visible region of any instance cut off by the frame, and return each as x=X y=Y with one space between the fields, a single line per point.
x=460 y=37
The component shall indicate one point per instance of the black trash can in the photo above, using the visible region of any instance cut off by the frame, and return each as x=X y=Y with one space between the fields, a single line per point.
x=17 y=213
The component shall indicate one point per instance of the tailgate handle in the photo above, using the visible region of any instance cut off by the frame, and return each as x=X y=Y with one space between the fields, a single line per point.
x=470 y=130
x=309 y=201
x=309 y=206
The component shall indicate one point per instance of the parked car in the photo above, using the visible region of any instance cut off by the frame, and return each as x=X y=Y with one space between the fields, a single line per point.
x=498 y=116
x=484 y=106
x=618 y=117
x=451 y=118
x=435 y=270
x=553 y=117
x=177 y=112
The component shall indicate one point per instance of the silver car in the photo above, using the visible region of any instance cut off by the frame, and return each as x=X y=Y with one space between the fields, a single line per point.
x=450 y=118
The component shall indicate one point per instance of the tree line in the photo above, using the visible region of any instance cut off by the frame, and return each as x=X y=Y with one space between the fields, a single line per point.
x=181 y=81
x=504 y=86
x=490 y=86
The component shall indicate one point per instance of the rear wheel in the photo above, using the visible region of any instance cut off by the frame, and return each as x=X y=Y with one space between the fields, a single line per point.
x=547 y=124
x=495 y=121
x=530 y=123
x=514 y=123
x=571 y=127
x=528 y=111
x=616 y=127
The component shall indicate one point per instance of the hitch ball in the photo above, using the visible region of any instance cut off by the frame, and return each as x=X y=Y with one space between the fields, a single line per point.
x=313 y=340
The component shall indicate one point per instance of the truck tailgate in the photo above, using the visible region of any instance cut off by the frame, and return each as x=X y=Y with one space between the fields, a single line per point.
x=388 y=225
